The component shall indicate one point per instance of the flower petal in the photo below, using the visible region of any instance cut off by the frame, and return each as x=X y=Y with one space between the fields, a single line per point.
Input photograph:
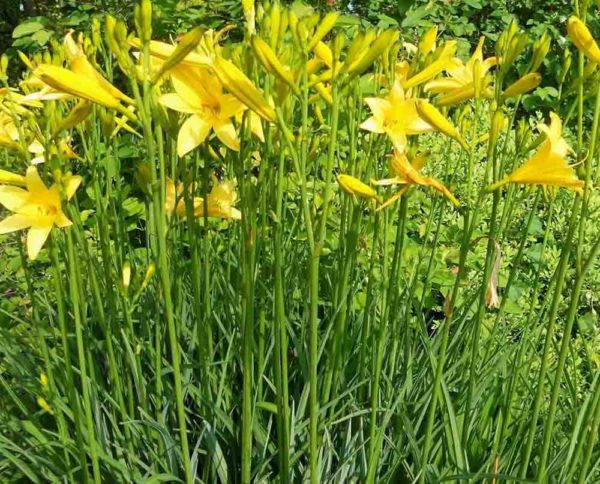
x=36 y=237
x=226 y=133
x=34 y=182
x=14 y=223
x=12 y=197
x=177 y=103
x=192 y=133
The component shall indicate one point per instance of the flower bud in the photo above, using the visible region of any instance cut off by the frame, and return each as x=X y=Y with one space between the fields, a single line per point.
x=566 y=65
x=498 y=123
x=274 y=22
x=338 y=45
x=431 y=115
x=126 y=276
x=96 y=36
x=582 y=38
x=44 y=380
x=146 y=20
x=249 y=15
x=148 y=277
x=323 y=29
x=523 y=85
x=540 y=49
x=427 y=42
x=353 y=186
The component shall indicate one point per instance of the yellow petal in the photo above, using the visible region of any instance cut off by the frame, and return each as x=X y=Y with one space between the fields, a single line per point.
x=177 y=103
x=62 y=220
x=11 y=178
x=71 y=184
x=12 y=197
x=67 y=81
x=226 y=133
x=81 y=65
x=14 y=223
x=35 y=185
x=36 y=238
x=192 y=133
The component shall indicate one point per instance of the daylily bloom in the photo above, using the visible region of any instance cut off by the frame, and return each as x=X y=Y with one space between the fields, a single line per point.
x=408 y=174
x=464 y=81
x=201 y=94
x=548 y=166
x=396 y=116
x=37 y=207
x=220 y=201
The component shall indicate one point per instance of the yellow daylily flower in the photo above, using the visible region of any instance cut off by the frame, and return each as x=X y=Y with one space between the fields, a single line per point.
x=460 y=84
x=38 y=208
x=220 y=201
x=201 y=94
x=396 y=116
x=408 y=174
x=548 y=166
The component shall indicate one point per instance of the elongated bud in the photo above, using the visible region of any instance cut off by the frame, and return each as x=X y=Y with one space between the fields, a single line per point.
x=515 y=47
x=44 y=380
x=338 y=45
x=186 y=45
x=566 y=65
x=324 y=92
x=126 y=276
x=522 y=135
x=96 y=36
x=146 y=20
x=323 y=29
x=583 y=40
x=148 y=277
x=353 y=186
x=358 y=43
x=44 y=405
x=540 y=49
x=498 y=122
x=427 y=42
x=274 y=21
x=293 y=21
x=237 y=83
x=323 y=52
x=249 y=15
x=3 y=67
x=429 y=113
x=381 y=43
x=523 y=85
x=110 y=24
x=271 y=63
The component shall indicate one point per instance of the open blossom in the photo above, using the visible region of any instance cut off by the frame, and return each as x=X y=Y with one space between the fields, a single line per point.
x=460 y=84
x=200 y=93
x=36 y=207
x=396 y=116
x=549 y=165
x=220 y=201
x=408 y=174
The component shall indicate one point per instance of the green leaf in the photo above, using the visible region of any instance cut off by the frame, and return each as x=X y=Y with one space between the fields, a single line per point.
x=26 y=28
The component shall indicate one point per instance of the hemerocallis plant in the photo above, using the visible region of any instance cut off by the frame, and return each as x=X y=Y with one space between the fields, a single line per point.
x=460 y=84
x=396 y=116
x=200 y=93
x=408 y=174
x=548 y=166
x=36 y=207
